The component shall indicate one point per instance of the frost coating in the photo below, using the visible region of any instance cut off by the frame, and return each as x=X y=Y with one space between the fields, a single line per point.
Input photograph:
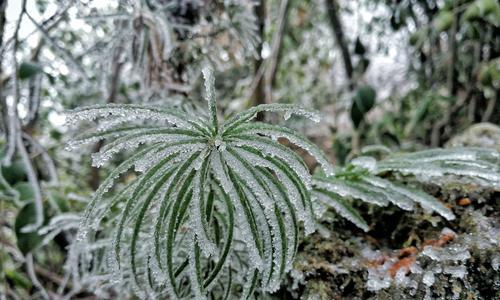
x=449 y=260
x=295 y=138
x=364 y=182
x=452 y=253
x=365 y=162
x=273 y=150
x=343 y=209
x=428 y=278
x=204 y=199
x=478 y=165
x=188 y=174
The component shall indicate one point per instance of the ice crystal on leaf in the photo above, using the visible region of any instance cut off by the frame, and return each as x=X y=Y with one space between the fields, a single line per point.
x=209 y=200
x=214 y=208
x=362 y=179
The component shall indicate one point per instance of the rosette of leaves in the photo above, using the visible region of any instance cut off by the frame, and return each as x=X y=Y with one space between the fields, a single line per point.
x=214 y=208
x=368 y=180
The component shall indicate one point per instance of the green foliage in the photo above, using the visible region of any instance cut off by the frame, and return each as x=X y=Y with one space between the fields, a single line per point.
x=443 y=21
x=25 y=191
x=363 y=101
x=18 y=278
x=487 y=10
x=359 y=48
x=362 y=179
x=26 y=241
x=418 y=37
x=413 y=118
x=207 y=188
x=489 y=76
x=201 y=188
x=28 y=69
x=14 y=173
x=195 y=206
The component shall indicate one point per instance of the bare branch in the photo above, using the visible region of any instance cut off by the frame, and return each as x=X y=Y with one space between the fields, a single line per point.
x=276 y=49
x=333 y=13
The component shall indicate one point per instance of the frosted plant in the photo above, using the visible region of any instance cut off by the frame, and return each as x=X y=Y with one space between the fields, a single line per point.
x=477 y=166
x=210 y=204
x=157 y=43
x=362 y=179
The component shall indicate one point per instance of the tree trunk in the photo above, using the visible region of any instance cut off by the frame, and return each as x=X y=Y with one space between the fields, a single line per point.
x=276 y=48
x=452 y=48
x=95 y=177
x=259 y=93
x=333 y=14
x=3 y=108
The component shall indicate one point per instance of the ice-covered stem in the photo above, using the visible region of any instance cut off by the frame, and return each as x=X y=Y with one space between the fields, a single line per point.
x=33 y=180
x=210 y=96
x=15 y=138
x=32 y=275
x=13 y=119
x=49 y=162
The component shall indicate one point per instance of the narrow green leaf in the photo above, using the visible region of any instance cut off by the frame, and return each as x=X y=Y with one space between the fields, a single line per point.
x=343 y=208
x=228 y=242
x=294 y=137
x=159 y=184
x=251 y=113
x=210 y=97
x=141 y=186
